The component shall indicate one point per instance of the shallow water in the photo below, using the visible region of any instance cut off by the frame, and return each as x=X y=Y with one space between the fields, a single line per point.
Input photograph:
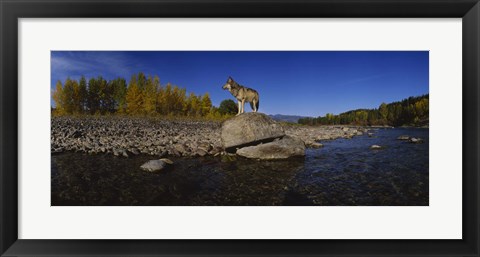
x=343 y=172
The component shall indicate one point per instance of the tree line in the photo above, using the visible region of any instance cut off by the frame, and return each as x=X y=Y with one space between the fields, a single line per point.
x=143 y=95
x=412 y=111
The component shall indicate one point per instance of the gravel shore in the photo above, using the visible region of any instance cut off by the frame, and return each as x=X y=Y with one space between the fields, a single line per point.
x=127 y=136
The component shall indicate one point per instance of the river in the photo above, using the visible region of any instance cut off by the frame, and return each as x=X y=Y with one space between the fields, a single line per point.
x=344 y=172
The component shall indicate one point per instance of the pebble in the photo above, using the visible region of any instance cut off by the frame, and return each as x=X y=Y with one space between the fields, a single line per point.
x=129 y=136
x=124 y=136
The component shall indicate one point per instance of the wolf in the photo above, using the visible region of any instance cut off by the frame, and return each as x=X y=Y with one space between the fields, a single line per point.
x=242 y=94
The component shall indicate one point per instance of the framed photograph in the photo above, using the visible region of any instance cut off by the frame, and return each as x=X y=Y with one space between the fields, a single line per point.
x=314 y=128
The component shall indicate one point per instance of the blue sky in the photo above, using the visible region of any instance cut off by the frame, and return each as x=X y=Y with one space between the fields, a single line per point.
x=308 y=83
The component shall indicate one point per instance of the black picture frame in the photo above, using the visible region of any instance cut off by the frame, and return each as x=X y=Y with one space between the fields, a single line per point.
x=11 y=11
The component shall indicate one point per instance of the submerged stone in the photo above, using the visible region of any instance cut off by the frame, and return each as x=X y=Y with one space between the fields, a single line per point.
x=416 y=140
x=154 y=165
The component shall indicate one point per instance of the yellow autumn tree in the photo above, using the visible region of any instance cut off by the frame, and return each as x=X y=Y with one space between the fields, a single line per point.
x=150 y=96
x=77 y=98
x=193 y=105
x=178 y=102
x=167 y=99
x=160 y=99
x=68 y=96
x=206 y=104
x=134 y=98
x=59 y=99
x=164 y=99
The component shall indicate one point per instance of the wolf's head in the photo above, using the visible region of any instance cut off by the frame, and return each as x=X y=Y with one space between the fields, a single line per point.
x=228 y=84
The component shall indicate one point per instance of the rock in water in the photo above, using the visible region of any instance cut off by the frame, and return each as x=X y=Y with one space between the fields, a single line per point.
x=279 y=149
x=416 y=140
x=249 y=129
x=375 y=147
x=403 y=137
x=314 y=145
x=168 y=161
x=154 y=165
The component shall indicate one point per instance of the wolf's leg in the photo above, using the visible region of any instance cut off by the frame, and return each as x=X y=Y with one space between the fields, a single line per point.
x=254 y=105
x=243 y=105
x=239 y=107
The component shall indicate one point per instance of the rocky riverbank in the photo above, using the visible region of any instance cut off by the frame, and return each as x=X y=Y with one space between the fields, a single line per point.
x=127 y=136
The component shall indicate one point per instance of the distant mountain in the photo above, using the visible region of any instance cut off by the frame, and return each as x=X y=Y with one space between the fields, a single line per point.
x=287 y=118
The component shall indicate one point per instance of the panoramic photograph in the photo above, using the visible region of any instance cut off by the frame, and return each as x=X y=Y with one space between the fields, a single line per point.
x=239 y=128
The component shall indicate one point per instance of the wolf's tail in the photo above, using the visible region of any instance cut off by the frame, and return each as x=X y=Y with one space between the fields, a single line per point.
x=257 y=104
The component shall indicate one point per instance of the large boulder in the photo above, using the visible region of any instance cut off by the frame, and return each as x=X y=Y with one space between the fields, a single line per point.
x=279 y=149
x=249 y=129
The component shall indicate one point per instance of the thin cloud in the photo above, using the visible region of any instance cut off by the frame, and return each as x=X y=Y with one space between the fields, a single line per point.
x=74 y=64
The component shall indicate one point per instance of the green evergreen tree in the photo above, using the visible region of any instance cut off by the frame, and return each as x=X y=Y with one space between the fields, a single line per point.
x=227 y=107
x=119 y=95
x=83 y=94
